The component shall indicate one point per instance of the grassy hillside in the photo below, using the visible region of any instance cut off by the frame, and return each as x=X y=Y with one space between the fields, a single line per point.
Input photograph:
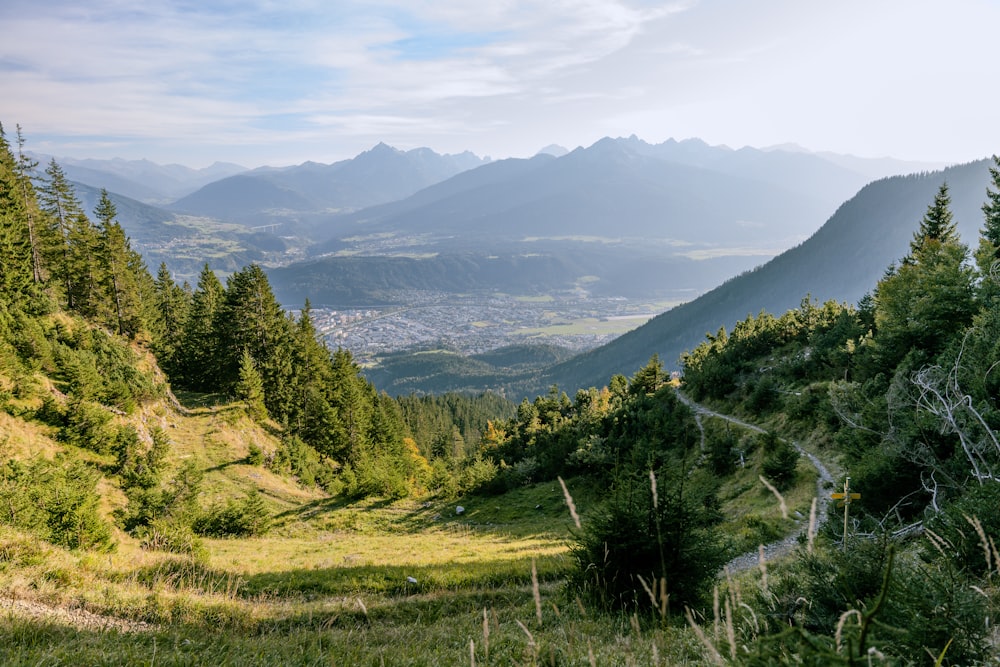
x=371 y=582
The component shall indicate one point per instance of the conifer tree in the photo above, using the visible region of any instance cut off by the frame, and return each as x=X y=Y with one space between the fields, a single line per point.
x=990 y=232
x=172 y=306
x=83 y=267
x=250 y=318
x=352 y=398
x=122 y=269
x=31 y=218
x=196 y=362
x=250 y=388
x=919 y=305
x=313 y=369
x=937 y=225
x=15 y=250
x=59 y=202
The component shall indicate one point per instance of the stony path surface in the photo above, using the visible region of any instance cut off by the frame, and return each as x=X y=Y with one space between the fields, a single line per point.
x=77 y=618
x=824 y=483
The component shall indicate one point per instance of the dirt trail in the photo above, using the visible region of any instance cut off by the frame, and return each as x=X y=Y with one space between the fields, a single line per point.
x=76 y=618
x=823 y=485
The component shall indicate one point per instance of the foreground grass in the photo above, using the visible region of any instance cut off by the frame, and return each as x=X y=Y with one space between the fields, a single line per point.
x=362 y=584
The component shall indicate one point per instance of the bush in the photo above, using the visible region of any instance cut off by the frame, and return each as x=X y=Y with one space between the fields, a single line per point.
x=255 y=455
x=237 y=518
x=959 y=527
x=172 y=536
x=780 y=461
x=88 y=425
x=633 y=537
x=722 y=452
x=915 y=610
x=137 y=465
x=56 y=500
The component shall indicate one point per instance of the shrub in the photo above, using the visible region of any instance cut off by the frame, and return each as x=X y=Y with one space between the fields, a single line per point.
x=255 y=455
x=780 y=461
x=959 y=527
x=237 y=518
x=88 y=425
x=172 y=536
x=635 y=536
x=57 y=501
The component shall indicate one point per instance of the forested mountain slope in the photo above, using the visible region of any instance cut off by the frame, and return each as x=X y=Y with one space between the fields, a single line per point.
x=841 y=261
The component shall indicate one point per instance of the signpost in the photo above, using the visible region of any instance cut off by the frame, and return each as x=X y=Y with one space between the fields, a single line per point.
x=845 y=499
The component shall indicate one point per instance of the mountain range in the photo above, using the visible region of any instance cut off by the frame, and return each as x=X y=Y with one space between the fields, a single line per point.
x=619 y=217
x=142 y=180
x=624 y=217
x=842 y=261
x=281 y=195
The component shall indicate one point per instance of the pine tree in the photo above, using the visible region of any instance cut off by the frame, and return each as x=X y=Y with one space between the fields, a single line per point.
x=936 y=226
x=15 y=250
x=172 y=306
x=122 y=270
x=251 y=318
x=59 y=202
x=353 y=399
x=196 y=361
x=83 y=268
x=313 y=366
x=25 y=166
x=930 y=295
x=250 y=388
x=990 y=232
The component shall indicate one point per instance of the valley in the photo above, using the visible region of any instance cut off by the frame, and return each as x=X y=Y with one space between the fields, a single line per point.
x=474 y=324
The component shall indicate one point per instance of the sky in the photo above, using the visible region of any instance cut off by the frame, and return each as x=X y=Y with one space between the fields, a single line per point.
x=268 y=82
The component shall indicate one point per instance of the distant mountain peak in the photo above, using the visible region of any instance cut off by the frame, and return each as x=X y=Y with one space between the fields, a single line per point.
x=554 y=150
x=382 y=147
x=789 y=147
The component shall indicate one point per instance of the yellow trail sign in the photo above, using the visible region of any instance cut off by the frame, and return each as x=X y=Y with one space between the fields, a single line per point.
x=845 y=499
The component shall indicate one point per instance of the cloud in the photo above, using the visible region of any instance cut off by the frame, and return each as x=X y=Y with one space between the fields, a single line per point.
x=288 y=79
x=204 y=71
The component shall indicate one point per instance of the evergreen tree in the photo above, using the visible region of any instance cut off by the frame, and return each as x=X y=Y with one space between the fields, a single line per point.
x=84 y=274
x=59 y=202
x=25 y=166
x=313 y=367
x=989 y=236
x=937 y=225
x=649 y=378
x=250 y=318
x=250 y=388
x=172 y=306
x=122 y=271
x=15 y=250
x=930 y=296
x=196 y=362
x=991 y=209
x=352 y=398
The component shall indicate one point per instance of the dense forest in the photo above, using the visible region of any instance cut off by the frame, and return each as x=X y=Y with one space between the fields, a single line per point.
x=899 y=391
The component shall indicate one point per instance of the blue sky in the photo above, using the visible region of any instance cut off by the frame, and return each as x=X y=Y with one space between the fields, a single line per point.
x=266 y=82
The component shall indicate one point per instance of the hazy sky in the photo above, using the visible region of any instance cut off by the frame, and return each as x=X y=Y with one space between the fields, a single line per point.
x=280 y=82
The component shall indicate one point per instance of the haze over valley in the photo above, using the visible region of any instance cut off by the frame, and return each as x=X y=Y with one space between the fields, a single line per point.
x=468 y=256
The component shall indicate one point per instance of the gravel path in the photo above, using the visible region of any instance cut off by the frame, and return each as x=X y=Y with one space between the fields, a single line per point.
x=823 y=485
x=77 y=618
